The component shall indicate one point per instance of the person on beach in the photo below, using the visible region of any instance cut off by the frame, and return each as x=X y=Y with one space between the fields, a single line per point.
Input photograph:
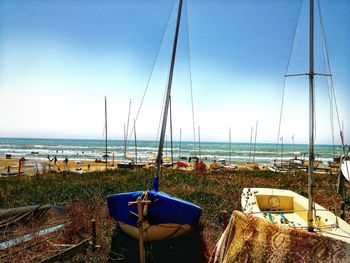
x=65 y=163
x=54 y=160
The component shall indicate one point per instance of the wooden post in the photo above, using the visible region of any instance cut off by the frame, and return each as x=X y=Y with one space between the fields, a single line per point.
x=19 y=166
x=140 y=225
x=113 y=161
x=94 y=235
x=341 y=185
x=342 y=210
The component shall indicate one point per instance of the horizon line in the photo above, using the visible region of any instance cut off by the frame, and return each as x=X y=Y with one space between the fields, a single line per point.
x=149 y=140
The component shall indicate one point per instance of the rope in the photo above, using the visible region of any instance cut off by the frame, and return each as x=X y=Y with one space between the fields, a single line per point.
x=153 y=66
x=285 y=78
x=189 y=65
x=330 y=78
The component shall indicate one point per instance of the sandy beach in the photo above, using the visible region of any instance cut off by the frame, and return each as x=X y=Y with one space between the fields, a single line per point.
x=12 y=165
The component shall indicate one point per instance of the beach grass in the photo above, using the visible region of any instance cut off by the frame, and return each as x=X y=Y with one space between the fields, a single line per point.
x=218 y=193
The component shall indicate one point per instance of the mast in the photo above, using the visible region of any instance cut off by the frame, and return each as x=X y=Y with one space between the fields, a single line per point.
x=229 y=139
x=199 y=142
x=106 y=130
x=311 y=119
x=256 y=133
x=135 y=142
x=167 y=99
x=180 y=145
x=127 y=131
x=250 y=143
x=281 y=150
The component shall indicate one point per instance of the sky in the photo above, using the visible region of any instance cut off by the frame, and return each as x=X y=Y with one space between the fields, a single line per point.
x=59 y=58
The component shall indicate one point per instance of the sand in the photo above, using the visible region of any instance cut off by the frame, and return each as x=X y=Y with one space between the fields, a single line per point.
x=29 y=164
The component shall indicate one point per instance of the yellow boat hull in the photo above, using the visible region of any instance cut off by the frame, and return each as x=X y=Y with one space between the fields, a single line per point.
x=156 y=232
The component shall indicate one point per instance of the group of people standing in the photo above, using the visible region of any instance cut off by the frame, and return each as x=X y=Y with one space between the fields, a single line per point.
x=54 y=159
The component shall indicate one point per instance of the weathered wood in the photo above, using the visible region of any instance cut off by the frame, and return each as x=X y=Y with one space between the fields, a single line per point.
x=68 y=253
x=341 y=184
x=94 y=235
x=140 y=225
x=342 y=210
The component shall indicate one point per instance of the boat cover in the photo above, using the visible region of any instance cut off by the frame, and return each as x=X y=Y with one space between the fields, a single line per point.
x=252 y=239
x=162 y=209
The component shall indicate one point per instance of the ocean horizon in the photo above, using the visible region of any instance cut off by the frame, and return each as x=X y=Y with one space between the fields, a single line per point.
x=90 y=149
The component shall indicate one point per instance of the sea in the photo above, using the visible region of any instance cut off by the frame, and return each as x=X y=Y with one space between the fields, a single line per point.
x=235 y=153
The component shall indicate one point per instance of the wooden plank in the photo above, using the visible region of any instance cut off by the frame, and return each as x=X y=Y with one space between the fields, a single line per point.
x=68 y=253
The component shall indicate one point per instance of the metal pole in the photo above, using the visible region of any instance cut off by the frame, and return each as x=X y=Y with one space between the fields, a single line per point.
x=250 y=144
x=199 y=143
x=167 y=97
x=256 y=133
x=311 y=120
x=281 y=150
x=229 y=137
x=127 y=131
x=180 y=145
x=135 y=143
x=106 y=130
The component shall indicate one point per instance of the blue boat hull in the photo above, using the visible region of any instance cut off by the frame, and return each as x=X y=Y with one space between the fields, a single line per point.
x=167 y=216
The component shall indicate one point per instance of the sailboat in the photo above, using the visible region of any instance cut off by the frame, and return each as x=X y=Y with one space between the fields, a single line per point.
x=345 y=167
x=157 y=216
x=286 y=207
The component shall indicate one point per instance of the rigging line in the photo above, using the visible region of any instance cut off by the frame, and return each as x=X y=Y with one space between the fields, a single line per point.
x=127 y=130
x=325 y=46
x=154 y=63
x=285 y=79
x=189 y=64
x=329 y=79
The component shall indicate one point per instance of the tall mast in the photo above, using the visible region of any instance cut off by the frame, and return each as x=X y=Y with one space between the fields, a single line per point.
x=180 y=145
x=127 y=131
x=167 y=98
x=135 y=142
x=199 y=142
x=311 y=119
x=106 y=130
x=256 y=133
x=229 y=140
x=250 y=143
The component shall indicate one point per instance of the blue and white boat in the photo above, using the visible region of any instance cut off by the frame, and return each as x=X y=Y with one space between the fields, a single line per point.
x=163 y=216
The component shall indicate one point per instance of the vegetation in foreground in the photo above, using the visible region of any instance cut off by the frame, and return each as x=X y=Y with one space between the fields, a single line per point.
x=218 y=193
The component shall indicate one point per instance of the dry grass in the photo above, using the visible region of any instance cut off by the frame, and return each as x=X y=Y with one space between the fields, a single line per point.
x=83 y=196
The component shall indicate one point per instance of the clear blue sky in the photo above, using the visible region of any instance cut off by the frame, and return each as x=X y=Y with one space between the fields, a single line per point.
x=59 y=58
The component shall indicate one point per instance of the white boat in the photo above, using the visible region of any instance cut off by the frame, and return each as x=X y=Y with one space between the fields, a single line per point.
x=290 y=209
x=345 y=168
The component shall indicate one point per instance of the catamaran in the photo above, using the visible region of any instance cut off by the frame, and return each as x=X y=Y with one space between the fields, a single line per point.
x=286 y=207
